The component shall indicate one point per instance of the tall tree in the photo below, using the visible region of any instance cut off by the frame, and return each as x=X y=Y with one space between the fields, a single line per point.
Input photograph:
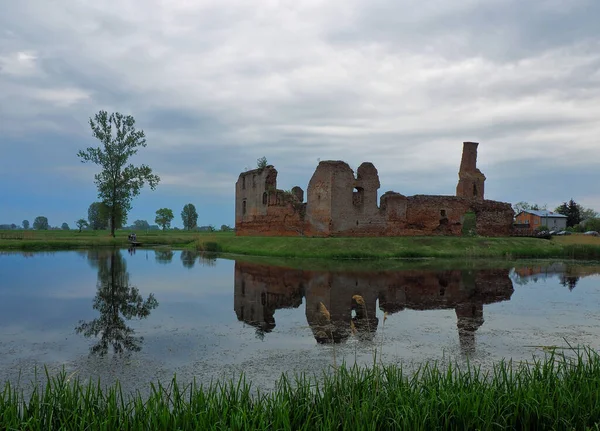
x=40 y=223
x=118 y=182
x=25 y=224
x=572 y=210
x=98 y=216
x=81 y=223
x=189 y=217
x=164 y=216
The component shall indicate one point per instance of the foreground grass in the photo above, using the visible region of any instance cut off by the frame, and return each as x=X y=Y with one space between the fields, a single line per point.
x=554 y=393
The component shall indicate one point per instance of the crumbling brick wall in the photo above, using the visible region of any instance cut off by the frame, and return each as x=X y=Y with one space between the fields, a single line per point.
x=342 y=204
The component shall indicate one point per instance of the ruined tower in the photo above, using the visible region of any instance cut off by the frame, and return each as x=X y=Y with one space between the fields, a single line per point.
x=470 y=179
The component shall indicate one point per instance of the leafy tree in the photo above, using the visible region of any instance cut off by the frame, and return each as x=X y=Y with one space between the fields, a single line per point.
x=141 y=225
x=587 y=213
x=526 y=206
x=98 y=216
x=65 y=226
x=25 y=224
x=572 y=210
x=592 y=224
x=225 y=228
x=13 y=226
x=164 y=216
x=40 y=223
x=81 y=223
x=261 y=163
x=118 y=182
x=189 y=216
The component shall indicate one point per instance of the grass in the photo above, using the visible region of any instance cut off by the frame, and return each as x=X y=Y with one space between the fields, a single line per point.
x=402 y=247
x=72 y=239
x=440 y=247
x=556 y=392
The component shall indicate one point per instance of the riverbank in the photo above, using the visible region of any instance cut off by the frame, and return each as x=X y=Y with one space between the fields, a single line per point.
x=557 y=392
x=439 y=247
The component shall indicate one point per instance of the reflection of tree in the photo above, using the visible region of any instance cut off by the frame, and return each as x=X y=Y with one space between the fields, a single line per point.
x=208 y=259
x=163 y=256
x=569 y=281
x=188 y=258
x=116 y=301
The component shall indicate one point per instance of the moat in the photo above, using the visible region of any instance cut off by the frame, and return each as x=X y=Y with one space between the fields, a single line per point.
x=145 y=315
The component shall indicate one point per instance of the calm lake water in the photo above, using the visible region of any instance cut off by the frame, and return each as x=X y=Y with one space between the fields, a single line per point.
x=146 y=316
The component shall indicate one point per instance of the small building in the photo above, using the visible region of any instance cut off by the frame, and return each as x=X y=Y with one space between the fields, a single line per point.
x=537 y=218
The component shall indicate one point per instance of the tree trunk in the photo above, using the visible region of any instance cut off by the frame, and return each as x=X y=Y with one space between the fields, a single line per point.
x=112 y=223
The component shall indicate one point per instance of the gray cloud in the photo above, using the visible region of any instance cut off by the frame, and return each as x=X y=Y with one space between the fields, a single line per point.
x=217 y=84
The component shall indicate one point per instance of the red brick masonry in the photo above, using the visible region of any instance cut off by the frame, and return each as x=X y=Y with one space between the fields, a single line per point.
x=342 y=204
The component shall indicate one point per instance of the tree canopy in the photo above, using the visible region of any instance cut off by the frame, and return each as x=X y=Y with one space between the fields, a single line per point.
x=81 y=223
x=164 y=216
x=189 y=216
x=40 y=223
x=118 y=181
x=141 y=225
x=98 y=216
x=25 y=224
x=65 y=226
x=572 y=210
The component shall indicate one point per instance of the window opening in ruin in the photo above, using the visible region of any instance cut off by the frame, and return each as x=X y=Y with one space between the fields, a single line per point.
x=253 y=181
x=469 y=223
x=263 y=299
x=244 y=206
x=356 y=222
x=243 y=183
x=474 y=189
x=243 y=287
x=265 y=197
x=358 y=196
x=443 y=213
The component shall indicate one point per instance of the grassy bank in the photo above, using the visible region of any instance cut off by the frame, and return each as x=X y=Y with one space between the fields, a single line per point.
x=404 y=247
x=554 y=393
x=570 y=247
x=69 y=240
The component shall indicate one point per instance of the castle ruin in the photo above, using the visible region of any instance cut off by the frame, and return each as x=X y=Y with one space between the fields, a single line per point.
x=338 y=203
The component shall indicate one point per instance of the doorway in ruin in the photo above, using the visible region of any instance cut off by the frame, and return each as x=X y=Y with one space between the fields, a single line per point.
x=469 y=223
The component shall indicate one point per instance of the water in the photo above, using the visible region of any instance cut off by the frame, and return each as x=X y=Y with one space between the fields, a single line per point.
x=146 y=316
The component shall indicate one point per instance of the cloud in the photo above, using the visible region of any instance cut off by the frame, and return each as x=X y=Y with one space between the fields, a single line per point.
x=217 y=84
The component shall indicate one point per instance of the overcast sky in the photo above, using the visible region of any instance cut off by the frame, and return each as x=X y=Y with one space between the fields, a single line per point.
x=216 y=84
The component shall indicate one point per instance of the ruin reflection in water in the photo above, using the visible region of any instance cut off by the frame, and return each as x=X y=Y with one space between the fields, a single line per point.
x=343 y=304
x=117 y=302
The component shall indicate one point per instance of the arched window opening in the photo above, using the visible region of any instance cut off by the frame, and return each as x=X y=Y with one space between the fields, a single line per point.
x=265 y=198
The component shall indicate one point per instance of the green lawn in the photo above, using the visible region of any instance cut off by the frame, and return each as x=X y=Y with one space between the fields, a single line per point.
x=467 y=247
